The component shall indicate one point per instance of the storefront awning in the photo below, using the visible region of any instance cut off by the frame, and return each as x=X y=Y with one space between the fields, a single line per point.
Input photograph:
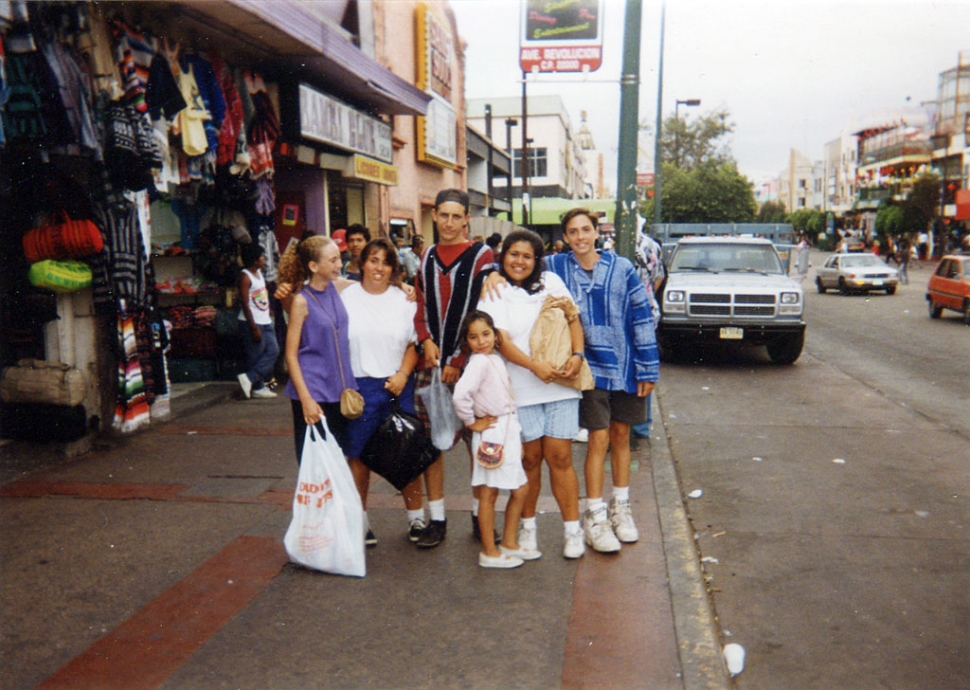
x=290 y=36
x=549 y=211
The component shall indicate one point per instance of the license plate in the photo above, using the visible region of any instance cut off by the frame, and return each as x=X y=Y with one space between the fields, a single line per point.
x=877 y=281
x=729 y=333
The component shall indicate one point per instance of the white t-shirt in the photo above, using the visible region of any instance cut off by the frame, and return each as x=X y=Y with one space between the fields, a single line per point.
x=381 y=327
x=516 y=312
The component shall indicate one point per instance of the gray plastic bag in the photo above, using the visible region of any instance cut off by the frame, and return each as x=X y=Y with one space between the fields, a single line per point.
x=442 y=417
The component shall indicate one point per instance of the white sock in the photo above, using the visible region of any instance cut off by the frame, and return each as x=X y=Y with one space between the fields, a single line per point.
x=593 y=504
x=528 y=523
x=475 y=503
x=437 y=509
x=621 y=493
x=571 y=527
x=415 y=515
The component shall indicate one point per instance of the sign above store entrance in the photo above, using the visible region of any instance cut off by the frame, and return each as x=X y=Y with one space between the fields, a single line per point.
x=561 y=35
x=326 y=120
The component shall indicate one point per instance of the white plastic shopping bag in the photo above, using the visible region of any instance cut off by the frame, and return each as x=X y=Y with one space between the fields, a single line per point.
x=327 y=530
x=443 y=419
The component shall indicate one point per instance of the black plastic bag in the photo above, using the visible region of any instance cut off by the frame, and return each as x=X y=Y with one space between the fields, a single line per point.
x=399 y=451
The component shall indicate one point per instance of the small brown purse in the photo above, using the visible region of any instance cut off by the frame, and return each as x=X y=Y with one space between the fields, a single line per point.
x=351 y=401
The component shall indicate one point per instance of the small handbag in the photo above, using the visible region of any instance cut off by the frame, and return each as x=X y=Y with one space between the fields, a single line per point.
x=62 y=238
x=351 y=401
x=490 y=455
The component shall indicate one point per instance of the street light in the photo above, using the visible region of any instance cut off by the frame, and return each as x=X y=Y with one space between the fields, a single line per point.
x=690 y=102
x=510 y=122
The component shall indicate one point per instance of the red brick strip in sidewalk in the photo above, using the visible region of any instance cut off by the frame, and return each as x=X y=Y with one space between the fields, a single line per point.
x=94 y=490
x=181 y=429
x=151 y=645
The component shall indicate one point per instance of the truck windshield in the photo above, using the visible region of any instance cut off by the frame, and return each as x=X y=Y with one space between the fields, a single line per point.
x=717 y=258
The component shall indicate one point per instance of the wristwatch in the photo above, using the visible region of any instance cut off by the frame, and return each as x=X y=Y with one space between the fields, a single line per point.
x=581 y=355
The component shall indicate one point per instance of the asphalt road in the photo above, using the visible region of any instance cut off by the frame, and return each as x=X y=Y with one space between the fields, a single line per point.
x=833 y=521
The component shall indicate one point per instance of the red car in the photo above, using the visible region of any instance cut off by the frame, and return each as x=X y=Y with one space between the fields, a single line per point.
x=949 y=287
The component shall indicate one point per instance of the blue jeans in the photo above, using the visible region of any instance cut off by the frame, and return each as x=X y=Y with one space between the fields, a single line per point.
x=261 y=356
x=642 y=430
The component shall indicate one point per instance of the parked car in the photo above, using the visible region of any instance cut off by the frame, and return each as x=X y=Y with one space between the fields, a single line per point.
x=854 y=243
x=856 y=273
x=949 y=287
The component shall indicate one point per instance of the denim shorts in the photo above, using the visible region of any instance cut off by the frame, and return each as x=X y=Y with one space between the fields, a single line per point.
x=559 y=419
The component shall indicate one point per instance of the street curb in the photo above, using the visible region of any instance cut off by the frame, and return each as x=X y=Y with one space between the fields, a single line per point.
x=697 y=639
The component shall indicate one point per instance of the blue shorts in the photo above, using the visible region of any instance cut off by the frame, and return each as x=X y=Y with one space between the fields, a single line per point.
x=559 y=419
x=377 y=405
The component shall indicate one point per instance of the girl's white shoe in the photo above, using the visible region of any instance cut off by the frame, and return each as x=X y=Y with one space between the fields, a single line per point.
x=502 y=561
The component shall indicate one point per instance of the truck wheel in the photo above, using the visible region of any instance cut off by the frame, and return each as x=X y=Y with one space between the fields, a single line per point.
x=934 y=310
x=786 y=349
x=818 y=286
x=891 y=290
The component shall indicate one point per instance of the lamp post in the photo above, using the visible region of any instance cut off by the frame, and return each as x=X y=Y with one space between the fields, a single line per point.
x=510 y=122
x=690 y=102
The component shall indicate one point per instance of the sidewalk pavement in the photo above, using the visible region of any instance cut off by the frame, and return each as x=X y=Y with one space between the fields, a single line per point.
x=156 y=561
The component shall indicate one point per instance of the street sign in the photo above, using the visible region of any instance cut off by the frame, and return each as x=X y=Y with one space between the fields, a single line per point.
x=645 y=179
x=561 y=36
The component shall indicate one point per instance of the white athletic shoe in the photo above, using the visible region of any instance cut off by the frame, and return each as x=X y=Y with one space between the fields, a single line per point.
x=599 y=532
x=574 y=546
x=528 y=539
x=246 y=384
x=622 y=520
x=582 y=436
x=264 y=392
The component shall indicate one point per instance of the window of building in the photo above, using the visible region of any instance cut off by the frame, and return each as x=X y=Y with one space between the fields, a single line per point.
x=538 y=162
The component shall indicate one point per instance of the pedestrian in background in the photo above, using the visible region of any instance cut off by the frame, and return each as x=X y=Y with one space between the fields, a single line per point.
x=256 y=325
x=649 y=262
x=411 y=258
x=484 y=402
x=357 y=237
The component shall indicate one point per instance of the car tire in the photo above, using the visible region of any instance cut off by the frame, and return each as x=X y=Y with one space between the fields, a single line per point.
x=787 y=349
x=818 y=286
x=935 y=311
x=891 y=290
x=843 y=290
x=966 y=312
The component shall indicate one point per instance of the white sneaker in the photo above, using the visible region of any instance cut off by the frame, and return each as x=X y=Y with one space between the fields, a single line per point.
x=502 y=561
x=599 y=533
x=522 y=552
x=247 y=385
x=528 y=538
x=574 y=547
x=622 y=520
x=264 y=392
x=582 y=436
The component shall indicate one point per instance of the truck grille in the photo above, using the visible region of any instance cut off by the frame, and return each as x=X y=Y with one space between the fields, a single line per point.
x=703 y=304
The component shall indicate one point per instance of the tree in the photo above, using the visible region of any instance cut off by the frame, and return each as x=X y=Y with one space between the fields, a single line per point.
x=772 y=212
x=889 y=221
x=808 y=221
x=921 y=206
x=691 y=145
x=709 y=193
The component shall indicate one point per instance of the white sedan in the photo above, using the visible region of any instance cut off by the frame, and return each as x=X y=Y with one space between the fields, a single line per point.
x=856 y=273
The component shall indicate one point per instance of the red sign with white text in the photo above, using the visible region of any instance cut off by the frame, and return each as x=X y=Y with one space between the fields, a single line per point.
x=561 y=36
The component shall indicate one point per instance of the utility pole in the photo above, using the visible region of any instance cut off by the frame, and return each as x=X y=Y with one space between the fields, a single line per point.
x=657 y=176
x=625 y=219
x=526 y=191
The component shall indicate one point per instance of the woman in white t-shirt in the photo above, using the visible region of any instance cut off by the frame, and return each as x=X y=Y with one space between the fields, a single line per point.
x=383 y=357
x=548 y=411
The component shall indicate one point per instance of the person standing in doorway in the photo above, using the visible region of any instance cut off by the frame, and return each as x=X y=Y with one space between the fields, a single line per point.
x=448 y=283
x=357 y=237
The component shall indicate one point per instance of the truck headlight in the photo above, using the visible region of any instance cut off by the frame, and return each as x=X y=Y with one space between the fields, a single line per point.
x=789 y=298
x=790 y=305
x=674 y=301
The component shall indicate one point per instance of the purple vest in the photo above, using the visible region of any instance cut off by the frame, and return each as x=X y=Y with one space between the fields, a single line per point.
x=318 y=348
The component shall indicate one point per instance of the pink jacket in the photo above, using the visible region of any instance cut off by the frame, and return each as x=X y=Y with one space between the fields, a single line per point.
x=484 y=389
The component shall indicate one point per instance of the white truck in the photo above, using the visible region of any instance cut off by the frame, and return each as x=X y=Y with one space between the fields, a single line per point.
x=731 y=287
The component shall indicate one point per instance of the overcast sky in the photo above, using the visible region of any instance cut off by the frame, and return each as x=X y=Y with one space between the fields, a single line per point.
x=792 y=73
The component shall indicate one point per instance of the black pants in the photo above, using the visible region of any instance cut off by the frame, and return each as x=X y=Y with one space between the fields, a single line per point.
x=336 y=421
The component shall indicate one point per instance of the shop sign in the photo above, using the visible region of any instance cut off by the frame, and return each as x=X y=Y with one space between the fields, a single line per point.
x=364 y=168
x=437 y=69
x=561 y=35
x=328 y=121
